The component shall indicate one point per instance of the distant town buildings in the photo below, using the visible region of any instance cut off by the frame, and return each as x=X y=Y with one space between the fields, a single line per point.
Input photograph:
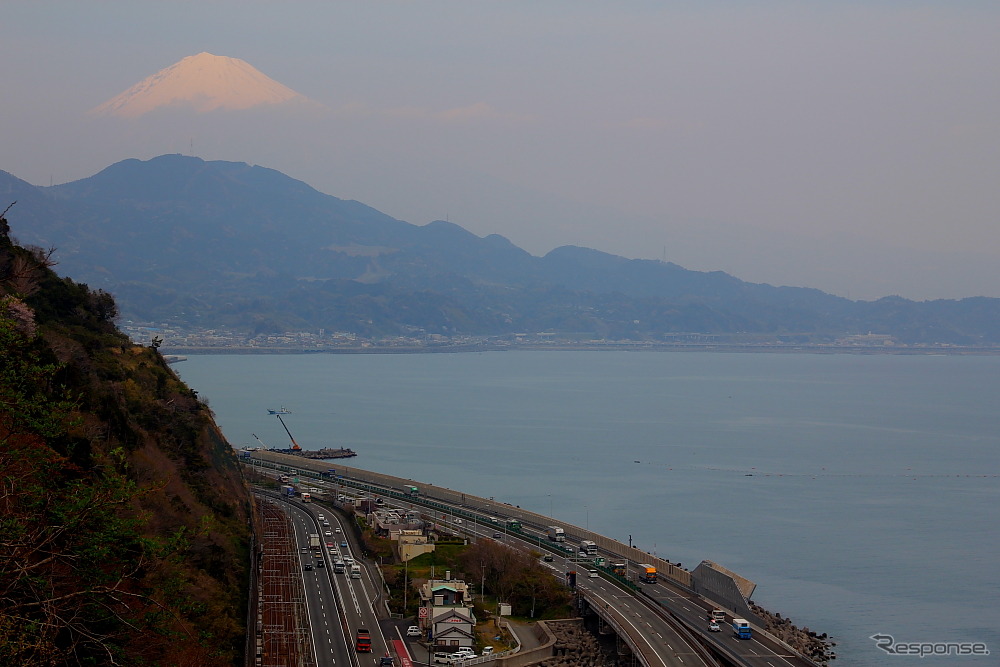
x=174 y=339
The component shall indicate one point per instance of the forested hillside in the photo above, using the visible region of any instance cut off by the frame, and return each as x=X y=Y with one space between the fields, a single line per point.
x=123 y=515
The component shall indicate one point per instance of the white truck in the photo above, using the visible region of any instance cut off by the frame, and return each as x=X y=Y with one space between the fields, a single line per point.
x=588 y=547
x=555 y=533
x=314 y=542
x=355 y=571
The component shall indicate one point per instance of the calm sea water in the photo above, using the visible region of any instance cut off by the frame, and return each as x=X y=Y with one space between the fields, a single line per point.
x=860 y=493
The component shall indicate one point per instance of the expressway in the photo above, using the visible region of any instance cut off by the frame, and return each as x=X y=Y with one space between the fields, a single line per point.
x=337 y=604
x=662 y=622
x=687 y=608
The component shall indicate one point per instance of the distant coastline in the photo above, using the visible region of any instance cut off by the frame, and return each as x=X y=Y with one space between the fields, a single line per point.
x=176 y=341
x=588 y=347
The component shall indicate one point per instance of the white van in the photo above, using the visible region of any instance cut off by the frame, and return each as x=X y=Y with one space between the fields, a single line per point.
x=593 y=574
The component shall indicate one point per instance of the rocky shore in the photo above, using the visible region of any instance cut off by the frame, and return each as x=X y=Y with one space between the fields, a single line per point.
x=817 y=647
x=575 y=647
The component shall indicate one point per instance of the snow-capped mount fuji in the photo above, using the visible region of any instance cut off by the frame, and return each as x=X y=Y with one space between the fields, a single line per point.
x=202 y=83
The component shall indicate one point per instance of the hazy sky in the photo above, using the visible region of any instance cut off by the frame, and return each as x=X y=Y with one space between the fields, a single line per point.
x=852 y=146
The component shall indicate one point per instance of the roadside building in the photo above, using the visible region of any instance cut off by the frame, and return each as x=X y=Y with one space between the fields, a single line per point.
x=448 y=614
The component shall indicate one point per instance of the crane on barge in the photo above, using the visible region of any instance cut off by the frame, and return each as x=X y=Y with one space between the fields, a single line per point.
x=324 y=453
x=278 y=413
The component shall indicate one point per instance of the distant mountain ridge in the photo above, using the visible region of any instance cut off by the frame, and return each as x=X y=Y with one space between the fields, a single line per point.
x=202 y=244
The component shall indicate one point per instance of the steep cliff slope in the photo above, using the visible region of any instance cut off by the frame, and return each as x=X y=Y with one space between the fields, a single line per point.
x=123 y=515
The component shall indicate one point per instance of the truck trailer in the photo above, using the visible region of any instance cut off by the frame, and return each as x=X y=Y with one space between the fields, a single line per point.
x=588 y=547
x=555 y=533
x=314 y=542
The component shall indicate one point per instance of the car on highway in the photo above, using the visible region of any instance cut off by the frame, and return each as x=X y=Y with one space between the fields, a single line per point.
x=714 y=627
x=343 y=545
x=497 y=536
x=413 y=631
x=307 y=567
x=329 y=533
x=547 y=558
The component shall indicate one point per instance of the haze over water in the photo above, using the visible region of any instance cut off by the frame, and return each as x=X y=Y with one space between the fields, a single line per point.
x=860 y=493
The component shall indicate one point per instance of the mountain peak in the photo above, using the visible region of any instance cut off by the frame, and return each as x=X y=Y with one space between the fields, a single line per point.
x=203 y=82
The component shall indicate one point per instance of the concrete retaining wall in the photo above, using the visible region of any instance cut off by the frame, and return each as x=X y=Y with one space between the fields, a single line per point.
x=719 y=586
x=546 y=640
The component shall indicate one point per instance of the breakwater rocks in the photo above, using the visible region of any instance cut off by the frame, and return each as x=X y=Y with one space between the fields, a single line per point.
x=319 y=454
x=817 y=647
x=575 y=646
